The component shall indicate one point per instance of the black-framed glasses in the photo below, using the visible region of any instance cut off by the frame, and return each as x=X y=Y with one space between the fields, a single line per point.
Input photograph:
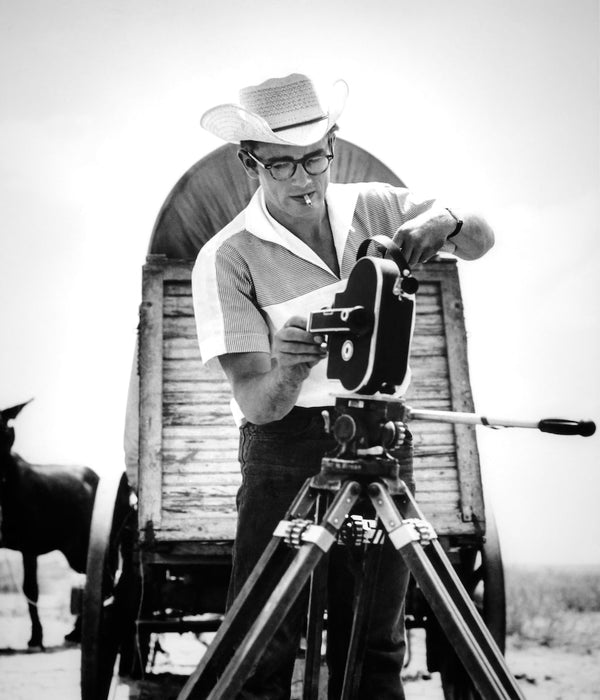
x=285 y=169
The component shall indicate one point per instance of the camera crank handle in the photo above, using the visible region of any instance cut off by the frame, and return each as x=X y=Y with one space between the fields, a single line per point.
x=558 y=426
x=562 y=426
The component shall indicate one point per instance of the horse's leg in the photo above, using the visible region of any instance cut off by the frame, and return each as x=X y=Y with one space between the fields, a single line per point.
x=74 y=636
x=76 y=558
x=31 y=590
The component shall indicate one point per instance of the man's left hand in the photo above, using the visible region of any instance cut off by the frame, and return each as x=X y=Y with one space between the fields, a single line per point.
x=422 y=237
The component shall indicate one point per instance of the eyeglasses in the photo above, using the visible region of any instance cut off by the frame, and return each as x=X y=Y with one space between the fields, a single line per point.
x=285 y=169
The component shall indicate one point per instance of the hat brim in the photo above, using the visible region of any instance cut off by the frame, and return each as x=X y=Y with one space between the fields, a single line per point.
x=233 y=123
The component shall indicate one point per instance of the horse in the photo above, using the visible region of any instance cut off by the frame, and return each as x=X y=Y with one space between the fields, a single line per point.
x=43 y=508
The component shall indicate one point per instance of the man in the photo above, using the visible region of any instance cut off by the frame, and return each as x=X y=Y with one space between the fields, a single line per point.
x=289 y=252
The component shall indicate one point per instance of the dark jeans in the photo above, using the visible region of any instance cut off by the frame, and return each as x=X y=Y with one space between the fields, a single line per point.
x=276 y=460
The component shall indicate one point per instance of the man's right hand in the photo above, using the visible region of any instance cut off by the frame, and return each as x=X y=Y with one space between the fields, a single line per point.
x=295 y=350
x=266 y=386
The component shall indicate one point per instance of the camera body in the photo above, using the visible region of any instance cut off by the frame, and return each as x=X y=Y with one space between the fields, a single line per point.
x=370 y=324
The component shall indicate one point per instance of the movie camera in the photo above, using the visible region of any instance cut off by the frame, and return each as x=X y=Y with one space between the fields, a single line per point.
x=370 y=324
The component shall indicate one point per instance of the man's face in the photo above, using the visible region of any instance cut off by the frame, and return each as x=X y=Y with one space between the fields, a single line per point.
x=285 y=198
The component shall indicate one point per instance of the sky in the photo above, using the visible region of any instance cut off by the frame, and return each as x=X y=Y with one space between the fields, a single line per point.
x=491 y=106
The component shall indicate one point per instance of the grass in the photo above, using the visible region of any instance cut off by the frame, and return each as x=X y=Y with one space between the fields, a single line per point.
x=554 y=606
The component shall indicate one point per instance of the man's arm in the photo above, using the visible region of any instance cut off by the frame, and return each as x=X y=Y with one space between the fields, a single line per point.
x=267 y=387
x=425 y=235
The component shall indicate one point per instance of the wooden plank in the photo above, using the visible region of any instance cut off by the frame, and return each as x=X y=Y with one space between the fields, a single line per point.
x=181 y=348
x=177 y=287
x=215 y=450
x=191 y=415
x=428 y=299
x=150 y=371
x=208 y=527
x=203 y=478
x=173 y=270
x=182 y=512
x=176 y=458
x=427 y=476
x=178 y=380
x=434 y=462
x=216 y=498
x=208 y=435
x=469 y=475
x=178 y=306
x=190 y=370
x=220 y=471
x=196 y=392
x=199 y=464
x=426 y=346
x=433 y=403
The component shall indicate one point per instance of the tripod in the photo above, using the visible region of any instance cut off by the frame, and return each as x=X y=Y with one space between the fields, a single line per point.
x=361 y=469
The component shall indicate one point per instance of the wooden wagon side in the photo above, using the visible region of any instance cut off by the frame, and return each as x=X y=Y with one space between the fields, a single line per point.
x=189 y=472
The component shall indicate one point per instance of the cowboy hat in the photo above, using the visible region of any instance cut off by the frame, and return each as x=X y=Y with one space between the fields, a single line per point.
x=280 y=110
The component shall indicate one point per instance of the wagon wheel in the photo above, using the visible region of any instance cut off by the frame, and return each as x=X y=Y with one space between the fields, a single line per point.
x=482 y=575
x=107 y=611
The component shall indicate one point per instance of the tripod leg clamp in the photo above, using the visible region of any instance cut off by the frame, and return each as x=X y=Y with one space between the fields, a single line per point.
x=401 y=531
x=424 y=530
x=295 y=533
x=408 y=532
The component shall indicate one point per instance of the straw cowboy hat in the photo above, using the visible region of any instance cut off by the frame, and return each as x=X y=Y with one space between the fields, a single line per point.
x=280 y=110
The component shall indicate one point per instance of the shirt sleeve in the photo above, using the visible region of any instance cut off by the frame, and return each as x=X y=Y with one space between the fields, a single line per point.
x=393 y=206
x=411 y=204
x=380 y=210
x=227 y=318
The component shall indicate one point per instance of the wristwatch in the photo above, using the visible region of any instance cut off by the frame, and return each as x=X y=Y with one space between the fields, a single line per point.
x=459 y=223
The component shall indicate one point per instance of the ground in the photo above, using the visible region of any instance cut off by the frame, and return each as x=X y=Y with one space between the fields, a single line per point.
x=544 y=673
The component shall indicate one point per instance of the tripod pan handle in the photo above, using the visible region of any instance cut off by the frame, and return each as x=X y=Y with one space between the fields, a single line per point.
x=561 y=426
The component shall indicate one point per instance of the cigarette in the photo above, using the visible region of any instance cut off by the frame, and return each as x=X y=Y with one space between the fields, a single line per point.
x=307 y=201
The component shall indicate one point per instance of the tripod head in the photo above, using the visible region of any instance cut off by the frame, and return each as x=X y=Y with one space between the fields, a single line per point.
x=367 y=426
x=366 y=430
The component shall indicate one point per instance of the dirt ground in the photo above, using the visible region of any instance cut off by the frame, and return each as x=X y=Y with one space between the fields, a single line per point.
x=543 y=673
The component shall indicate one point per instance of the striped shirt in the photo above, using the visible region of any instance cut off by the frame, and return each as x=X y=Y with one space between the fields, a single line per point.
x=253 y=275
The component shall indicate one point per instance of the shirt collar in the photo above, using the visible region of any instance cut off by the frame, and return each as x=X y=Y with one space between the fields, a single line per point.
x=341 y=202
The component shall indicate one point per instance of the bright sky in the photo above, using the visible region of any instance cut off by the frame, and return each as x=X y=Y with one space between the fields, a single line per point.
x=494 y=105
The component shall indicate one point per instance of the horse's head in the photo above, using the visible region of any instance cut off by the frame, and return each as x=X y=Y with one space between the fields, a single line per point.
x=7 y=432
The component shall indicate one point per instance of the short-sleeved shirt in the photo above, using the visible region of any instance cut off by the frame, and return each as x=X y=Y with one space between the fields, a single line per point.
x=253 y=275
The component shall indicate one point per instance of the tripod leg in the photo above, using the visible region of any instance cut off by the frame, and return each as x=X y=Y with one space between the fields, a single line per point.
x=465 y=605
x=261 y=621
x=251 y=598
x=453 y=608
x=314 y=630
x=363 y=603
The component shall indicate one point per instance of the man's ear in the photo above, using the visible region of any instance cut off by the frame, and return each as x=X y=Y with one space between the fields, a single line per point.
x=248 y=163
